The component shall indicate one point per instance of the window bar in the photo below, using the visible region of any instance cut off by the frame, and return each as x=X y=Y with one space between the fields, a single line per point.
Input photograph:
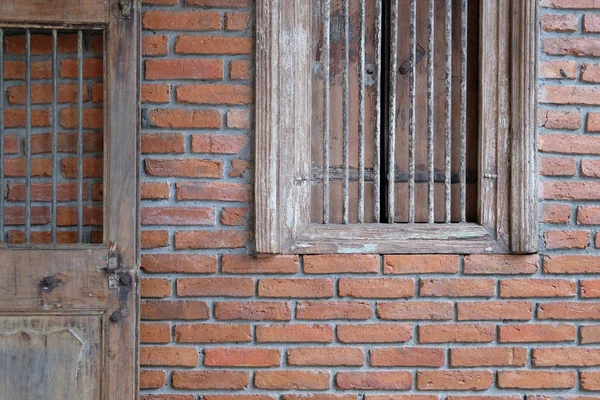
x=463 y=112
x=28 y=136
x=377 y=74
x=412 y=111
x=326 y=96
x=54 y=129
x=79 y=136
x=448 y=160
x=361 y=117
x=430 y=109
x=345 y=117
x=2 y=135
x=392 y=111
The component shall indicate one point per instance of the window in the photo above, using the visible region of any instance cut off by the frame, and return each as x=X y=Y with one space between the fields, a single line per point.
x=436 y=157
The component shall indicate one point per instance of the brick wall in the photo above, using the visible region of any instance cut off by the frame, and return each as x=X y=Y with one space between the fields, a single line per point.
x=219 y=324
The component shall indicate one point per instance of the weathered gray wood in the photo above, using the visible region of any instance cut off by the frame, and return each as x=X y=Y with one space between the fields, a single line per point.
x=55 y=12
x=524 y=227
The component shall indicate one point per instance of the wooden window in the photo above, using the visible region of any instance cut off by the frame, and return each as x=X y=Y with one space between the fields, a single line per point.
x=69 y=132
x=396 y=126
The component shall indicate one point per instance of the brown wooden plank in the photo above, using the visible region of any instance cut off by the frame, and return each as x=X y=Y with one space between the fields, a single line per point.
x=54 y=12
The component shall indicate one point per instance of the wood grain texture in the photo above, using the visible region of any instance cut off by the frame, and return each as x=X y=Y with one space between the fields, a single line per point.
x=54 y=12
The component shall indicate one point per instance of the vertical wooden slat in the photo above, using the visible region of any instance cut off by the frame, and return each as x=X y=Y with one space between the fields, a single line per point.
x=2 y=135
x=448 y=112
x=391 y=173
x=326 y=108
x=412 y=111
x=463 y=111
x=28 y=136
x=430 y=111
x=377 y=144
x=54 y=131
x=361 y=114
x=345 y=115
x=79 y=136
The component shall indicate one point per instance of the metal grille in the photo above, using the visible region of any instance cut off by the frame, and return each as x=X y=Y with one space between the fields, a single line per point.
x=51 y=125
x=395 y=111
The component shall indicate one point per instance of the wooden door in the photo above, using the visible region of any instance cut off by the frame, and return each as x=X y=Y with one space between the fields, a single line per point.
x=69 y=296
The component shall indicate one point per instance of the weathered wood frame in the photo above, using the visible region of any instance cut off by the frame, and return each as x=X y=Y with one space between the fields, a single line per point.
x=122 y=57
x=507 y=203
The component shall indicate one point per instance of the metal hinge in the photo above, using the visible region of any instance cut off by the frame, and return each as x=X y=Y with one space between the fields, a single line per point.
x=117 y=276
x=125 y=8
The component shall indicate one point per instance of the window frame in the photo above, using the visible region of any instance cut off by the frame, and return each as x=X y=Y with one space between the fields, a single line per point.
x=507 y=181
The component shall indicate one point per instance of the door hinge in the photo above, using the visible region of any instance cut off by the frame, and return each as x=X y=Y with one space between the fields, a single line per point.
x=117 y=276
x=125 y=8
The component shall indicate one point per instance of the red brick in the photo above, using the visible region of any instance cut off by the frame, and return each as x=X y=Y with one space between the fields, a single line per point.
x=67 y=216
x=337 y=264
x=217 y=191
x=152 y=379
x=558 y=166
x=173 y=310
x=558 y=119
x=185 y=168
x=151 y=93
x=187 y=68
x=43 y=191
x=500 y=264
x=568 y=311
x=154 y=45
x=454 y=380
x=237 y=21
x=262 y=264
x=571 y=46
x=217 y=380
x=219 y=144
x=528 y=333
x=93 y=118
x=235 y=216
x=162 y=143
x=168 y=356
x=253 y=311
x=155 y=287
x=165 y=396
x=374 y=380
x=488 y=357
x=238 y=168
x=161 y=2
x=92 y=167
x=16 y=70
x=567 y=239
x=589 y=334
x=590 y=73
x=326 y=356
x=239 y=69
x=559 y=22
x=16 y=215
x=407 y=357
x=65 y=143
x=332 y=310
x=590 y=288
x=213 y=333
x=155 y=190
x=92 y=68
x=296 y=288
x=536 y=379
x=155 y=333
x=570 y=3
x=219 y=3
x=590 y=380
x=17 y=118
x=215 y=287
x=571 y=190
x=588 y=215
x=468 y=287
x=537 y=288
x=178 y=216
x=410 y=310
x=42 y=237
x=241 y=357
x=456 y=333
x=376 y=288
x=292 y=380
x=591 y=23
x=556 y=213
x=494 y=310
x=42 y=93
x=179 y=263
x=420 y=264
x=583 y=95
x=569 y=144
x=215 y=94
x=374 y=333
x=571 y=264
x=17 y=167
x=566 y=357
x=294 y=333
x=210 y=239
x=558 y=69
x=213 y=45
x=323 y=396
x=590 y=168
x=185 y=119
x=181 y=20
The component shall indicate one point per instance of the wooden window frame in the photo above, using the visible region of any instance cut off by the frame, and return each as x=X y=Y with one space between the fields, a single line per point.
x=507 y=181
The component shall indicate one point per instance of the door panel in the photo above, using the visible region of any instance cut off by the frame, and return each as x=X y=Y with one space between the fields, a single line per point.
x=58 y=354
